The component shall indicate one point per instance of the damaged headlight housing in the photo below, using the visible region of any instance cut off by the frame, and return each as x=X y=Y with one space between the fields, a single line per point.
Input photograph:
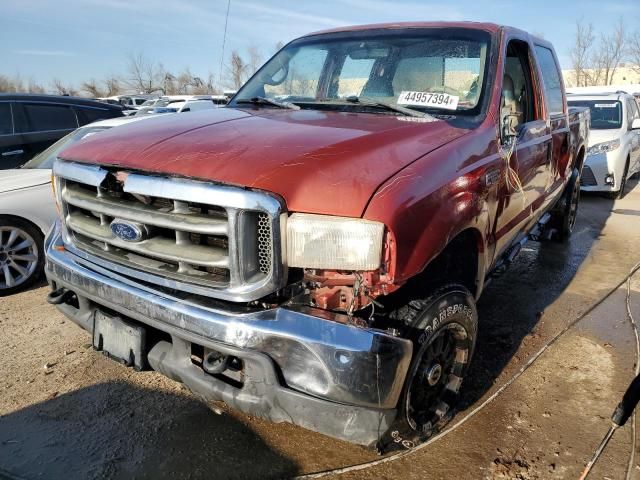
x=327 y=242
x=603 y=147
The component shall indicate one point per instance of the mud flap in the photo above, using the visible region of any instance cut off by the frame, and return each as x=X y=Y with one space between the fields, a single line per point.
x=120 y=340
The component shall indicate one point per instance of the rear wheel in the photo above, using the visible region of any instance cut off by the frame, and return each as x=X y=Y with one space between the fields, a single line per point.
x=21 y=255
x=443 y=331
x=564 y=215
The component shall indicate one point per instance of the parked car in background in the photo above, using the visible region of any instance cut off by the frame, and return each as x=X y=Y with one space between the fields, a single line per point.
x=31 y=123
x=614 y=142
x=318 y=260
x=220 y=100
x=178 y=105
x=27 y=210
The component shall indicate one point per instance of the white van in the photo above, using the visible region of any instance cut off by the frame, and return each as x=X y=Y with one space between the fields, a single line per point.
x=614 y=141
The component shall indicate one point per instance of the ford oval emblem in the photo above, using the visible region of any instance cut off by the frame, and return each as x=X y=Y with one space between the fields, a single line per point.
x=127 y=231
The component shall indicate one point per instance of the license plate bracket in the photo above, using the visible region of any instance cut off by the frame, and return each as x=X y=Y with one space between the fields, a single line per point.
x=120 y=340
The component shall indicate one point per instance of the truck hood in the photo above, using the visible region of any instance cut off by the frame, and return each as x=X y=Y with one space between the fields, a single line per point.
x=603 y=135
x=18 y=179
x=320 y=162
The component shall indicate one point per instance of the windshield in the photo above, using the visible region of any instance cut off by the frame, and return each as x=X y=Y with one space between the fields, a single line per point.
x=605 y=114
x=440 y=70
x=46 y=158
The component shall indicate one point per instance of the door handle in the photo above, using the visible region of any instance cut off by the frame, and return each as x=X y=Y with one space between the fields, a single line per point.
x=12 y=152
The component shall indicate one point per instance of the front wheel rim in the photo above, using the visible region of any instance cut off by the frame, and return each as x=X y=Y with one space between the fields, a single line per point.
x=436 y=378
x=18 y=257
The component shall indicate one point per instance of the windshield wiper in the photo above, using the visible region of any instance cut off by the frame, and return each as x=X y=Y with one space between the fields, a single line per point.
x=387 y=106
x=269 y=101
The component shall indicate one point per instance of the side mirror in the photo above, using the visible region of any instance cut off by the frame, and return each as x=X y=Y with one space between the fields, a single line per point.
x=509 y=126
x=635 y=125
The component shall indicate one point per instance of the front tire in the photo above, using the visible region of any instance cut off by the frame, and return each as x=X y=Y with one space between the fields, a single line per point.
x=623 y=182
x=21 y=255
x=443 y=329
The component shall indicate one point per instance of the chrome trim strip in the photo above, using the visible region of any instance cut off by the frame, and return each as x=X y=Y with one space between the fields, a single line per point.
x=88 y=174
x=318 y=352
x=198 y=191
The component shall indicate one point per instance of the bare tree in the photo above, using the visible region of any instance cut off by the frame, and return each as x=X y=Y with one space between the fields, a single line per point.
x=610 y=54
x=144 y=75
x=255 y=59
x=633 y=50
x=33 y=87
x=207 y=87
x=581 y=52
x=7 y=85
x=60 y=88
x=237 y=69
x=92 y=88
x=16 y=84
x=112 y=86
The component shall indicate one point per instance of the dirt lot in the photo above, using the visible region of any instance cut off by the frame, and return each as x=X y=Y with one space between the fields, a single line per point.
x=68 y=412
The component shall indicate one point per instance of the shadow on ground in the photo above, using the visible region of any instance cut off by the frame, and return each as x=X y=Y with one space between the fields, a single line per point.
x=162 y=435
x=512 y=305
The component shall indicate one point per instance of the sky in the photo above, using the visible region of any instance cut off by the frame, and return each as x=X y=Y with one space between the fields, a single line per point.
x=75 y=40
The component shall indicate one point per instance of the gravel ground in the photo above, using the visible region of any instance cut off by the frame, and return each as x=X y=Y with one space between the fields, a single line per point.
x=68 y=412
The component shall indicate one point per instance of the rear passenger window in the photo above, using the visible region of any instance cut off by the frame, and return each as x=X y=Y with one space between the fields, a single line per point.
x=41 y=117
x=6 y=122
x=89 y=115
x=551 y=80
x=632 y=111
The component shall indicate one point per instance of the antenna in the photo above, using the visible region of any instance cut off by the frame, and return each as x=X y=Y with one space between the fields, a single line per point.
x=224 y=41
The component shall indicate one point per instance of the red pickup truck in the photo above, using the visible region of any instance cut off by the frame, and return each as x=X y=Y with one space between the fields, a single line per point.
x=312 y=253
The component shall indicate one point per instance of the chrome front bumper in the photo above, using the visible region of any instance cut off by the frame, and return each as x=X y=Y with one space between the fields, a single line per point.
x=322 y=360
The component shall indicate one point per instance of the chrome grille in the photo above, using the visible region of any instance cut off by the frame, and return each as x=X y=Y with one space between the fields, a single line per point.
x=587 y=178
x=208 y=239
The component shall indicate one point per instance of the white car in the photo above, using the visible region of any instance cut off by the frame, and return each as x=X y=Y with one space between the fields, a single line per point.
x=176 y=104
x=614 y=141
x=27 y=210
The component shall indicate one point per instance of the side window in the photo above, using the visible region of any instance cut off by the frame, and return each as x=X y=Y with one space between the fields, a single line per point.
x=6 y=120
x=632 y=111
x=41 y=117
x=89 y=115
x=517 y=84
x=550 y=80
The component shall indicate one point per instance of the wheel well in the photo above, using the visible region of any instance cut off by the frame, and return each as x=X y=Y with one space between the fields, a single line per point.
x=580 y=159
x=456 y=263
x=22 y=219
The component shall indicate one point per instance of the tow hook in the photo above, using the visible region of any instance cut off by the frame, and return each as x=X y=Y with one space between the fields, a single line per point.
x=215 y=362
x=60 y=296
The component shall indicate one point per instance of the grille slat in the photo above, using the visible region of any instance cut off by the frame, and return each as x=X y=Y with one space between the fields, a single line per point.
x=147 y=214
x=157 y=247
x=202 y=238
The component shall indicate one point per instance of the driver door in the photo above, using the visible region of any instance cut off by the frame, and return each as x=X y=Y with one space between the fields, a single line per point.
x=523 y=193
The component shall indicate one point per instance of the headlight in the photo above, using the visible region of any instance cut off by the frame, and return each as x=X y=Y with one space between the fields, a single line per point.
x=322 y=241
x=603 y=147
